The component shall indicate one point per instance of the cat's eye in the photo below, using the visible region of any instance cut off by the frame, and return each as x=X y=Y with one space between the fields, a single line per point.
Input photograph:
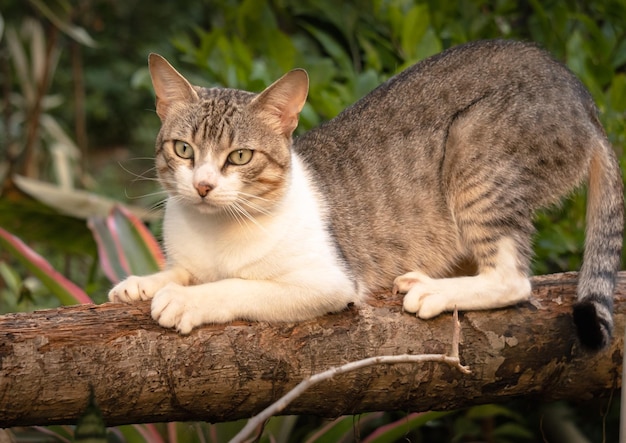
x=183 y=150
x=240 y=156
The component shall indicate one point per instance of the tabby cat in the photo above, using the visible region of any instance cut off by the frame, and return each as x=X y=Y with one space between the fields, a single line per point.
x=440 y=167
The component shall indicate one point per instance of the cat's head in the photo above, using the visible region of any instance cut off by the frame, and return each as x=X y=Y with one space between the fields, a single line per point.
x=225 y=150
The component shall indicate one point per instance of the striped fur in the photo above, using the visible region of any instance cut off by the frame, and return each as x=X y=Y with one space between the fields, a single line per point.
x=429 y=185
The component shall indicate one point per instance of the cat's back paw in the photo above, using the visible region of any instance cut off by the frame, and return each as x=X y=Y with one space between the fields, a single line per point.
x=422 y=297
x=134 y=288
x=404 y=283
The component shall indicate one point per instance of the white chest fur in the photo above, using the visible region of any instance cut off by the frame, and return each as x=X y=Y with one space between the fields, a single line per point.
x=291 y=244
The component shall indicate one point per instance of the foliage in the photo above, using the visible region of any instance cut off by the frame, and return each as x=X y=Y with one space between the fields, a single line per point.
x=81 y=65
x=125 y=246
x=66 y=291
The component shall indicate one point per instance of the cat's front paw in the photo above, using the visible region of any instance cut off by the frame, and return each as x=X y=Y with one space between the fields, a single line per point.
x=174 y=307
x=135 y=288
x=422 y=296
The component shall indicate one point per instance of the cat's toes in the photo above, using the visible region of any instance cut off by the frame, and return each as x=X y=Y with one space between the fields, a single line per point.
x=432 y=306
x=404 y=283
x=413 y=301
x=172 y=308
x=132 y=289
x=423 y=301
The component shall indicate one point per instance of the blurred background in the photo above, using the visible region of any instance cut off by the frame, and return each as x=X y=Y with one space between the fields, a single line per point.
x=77 y=129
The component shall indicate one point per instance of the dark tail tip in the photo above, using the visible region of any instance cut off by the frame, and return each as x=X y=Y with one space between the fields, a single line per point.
x=594 y=332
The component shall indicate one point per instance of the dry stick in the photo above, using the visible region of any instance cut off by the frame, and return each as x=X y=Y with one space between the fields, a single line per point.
x=280 y=404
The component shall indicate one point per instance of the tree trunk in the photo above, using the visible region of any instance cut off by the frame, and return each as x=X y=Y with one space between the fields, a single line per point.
x=141 y=372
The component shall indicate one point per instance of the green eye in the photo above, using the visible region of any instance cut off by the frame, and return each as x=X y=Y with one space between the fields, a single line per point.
x=183 y=150
x=240 y=157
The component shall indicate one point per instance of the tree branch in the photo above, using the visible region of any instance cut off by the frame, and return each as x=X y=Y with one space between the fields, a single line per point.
x=143 y=373
x=279 y=405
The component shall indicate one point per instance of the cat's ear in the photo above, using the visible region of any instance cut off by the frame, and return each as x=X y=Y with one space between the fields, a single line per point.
x=282 y=101
x=169 y=86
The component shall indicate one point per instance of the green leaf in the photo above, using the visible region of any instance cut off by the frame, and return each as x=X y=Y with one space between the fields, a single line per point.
x=400 y=428
x=465 y=429
x=334 y=49
x=344 y=428
x=35 y=222
x=429 y=45
x=332 y=431
x=365 y=83
x=66 y=291
x=619 y=56
x=11 y=278
x=491 y=410
x=617 y=93
x=140 y=433
x=514 y=430
x=414 y=27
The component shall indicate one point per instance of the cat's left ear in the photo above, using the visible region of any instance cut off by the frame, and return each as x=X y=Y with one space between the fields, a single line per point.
x=283 y=100
x=169 y=85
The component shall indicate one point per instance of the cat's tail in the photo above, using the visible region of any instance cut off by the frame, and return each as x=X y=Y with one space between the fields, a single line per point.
x=593 y=312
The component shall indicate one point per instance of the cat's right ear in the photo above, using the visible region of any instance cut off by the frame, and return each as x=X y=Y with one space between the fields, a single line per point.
x=169 y=85
x=283 y=100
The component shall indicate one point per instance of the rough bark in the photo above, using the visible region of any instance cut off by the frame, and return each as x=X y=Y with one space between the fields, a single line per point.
x=143 y=373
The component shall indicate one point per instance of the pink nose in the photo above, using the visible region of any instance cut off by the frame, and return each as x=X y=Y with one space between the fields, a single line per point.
x=203 y=189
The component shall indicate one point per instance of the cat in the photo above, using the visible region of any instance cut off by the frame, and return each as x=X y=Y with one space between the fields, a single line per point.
x=442 y=166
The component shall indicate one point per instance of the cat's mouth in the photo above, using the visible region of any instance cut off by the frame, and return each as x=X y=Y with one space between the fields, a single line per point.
x=208 y=207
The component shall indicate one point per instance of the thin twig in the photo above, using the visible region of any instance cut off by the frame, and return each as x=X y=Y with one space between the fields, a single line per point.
x=280 y=404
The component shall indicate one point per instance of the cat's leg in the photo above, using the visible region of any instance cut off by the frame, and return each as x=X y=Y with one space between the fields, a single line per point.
x=185 y=308
x=135 y=287
x=491 y=197
x=500 y=285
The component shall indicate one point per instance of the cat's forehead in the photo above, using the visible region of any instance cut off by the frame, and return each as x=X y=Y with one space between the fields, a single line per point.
x=218 y=106
x=209 y=120
x=229 y=96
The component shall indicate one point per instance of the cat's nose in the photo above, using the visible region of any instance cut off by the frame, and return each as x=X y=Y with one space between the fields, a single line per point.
x=203 y=189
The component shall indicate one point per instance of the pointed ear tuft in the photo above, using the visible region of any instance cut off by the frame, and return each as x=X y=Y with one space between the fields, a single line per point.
x=169 y=86
x=283 y=100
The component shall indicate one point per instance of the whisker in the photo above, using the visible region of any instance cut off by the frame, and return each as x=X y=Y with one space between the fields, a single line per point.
x=149 y=194
x=243 y=212
x=254 y=206
x=243 y=217
x=158 y=205
x=139 y=176
x=140 y=158
x=236 y=216
x=245 y=194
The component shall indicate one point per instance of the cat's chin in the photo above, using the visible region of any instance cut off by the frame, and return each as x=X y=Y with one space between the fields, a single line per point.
x=200 y=206
x=207 y=208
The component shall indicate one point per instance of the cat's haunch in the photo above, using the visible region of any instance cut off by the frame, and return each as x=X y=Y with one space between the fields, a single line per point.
x=445 y=163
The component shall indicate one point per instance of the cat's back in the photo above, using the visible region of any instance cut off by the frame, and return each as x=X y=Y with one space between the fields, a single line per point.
x=428 y=95
x=381 y=163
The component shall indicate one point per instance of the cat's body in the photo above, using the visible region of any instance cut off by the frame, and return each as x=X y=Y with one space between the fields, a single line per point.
x=440 y=167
